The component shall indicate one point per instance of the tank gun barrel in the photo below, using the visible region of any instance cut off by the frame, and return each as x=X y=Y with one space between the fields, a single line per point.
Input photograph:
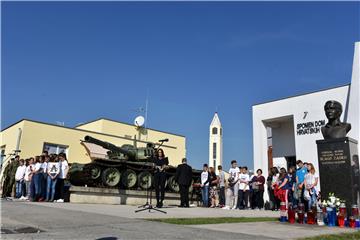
x=113 y=148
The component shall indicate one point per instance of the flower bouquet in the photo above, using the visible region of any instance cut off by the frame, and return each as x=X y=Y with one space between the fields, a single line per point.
x=332 y=205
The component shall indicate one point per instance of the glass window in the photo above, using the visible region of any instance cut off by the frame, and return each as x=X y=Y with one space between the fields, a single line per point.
x=214 y=164
x=55 y=148
x=214 y=131
x=2 y=154
x=214 y=150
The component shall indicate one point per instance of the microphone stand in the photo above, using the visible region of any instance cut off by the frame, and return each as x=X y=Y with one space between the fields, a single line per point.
x=148 y=205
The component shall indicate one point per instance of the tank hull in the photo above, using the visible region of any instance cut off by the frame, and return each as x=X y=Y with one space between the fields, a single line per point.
x=122 y=175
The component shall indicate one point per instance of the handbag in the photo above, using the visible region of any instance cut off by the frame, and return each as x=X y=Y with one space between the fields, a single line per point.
x=254 y=186
x=307 y=195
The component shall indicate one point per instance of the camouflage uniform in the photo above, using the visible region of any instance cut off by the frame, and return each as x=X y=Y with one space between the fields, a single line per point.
x=9 y=182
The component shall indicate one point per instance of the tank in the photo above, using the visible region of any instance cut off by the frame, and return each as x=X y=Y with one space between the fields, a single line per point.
x=125 y=167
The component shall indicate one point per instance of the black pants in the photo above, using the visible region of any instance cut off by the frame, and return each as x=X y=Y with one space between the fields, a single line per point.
x=275 y=201
x=259 y=198
x=243 y=199
x=222 y=196
x=159 y=182
x=60 y=183
x=184 y=195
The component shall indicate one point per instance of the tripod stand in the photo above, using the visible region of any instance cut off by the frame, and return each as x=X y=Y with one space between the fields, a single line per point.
x=148 y=205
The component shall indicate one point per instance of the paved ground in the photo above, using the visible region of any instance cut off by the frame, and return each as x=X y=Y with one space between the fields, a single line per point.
x=91 y=221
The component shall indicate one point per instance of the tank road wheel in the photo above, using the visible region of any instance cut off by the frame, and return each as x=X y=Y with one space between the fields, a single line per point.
x=111 y=177
x=173 y=185
x=95 y=173
x=128 y=178
x=145 y=180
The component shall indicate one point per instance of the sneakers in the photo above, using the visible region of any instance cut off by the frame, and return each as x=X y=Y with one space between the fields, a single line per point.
x=22 y=198
x=59 y=200
x=226 y=208
x=233 y=208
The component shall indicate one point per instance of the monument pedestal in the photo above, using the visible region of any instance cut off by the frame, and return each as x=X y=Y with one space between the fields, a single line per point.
x=339 y=169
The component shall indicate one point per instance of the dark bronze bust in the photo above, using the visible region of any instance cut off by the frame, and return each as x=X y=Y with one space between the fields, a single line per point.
x=334 y=128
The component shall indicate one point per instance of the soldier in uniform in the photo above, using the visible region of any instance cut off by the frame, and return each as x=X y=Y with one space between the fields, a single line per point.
x=9 y=175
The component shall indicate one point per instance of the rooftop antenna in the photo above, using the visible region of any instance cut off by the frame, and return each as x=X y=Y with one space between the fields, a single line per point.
x=146 y=111
x=140 y=121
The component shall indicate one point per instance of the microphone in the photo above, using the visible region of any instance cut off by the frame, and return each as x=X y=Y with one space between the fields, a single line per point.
x=164 y=140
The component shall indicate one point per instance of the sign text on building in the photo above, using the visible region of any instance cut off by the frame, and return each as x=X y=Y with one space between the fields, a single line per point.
x=309 y=127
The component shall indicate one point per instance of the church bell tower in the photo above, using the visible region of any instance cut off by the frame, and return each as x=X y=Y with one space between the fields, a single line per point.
x=215 y=143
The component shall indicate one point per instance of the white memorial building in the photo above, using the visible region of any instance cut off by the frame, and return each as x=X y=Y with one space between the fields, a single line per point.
x=285 y=130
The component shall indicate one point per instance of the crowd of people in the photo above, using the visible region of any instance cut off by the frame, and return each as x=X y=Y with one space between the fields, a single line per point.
x=244 y=191
x=40 y=178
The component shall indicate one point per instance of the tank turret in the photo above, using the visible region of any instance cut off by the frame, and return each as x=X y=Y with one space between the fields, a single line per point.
x=126 y=151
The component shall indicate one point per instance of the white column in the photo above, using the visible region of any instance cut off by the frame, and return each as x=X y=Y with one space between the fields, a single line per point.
x=354 y=100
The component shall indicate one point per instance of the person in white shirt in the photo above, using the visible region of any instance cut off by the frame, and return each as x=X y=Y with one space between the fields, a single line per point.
x=44 y=163
x=205 y=179
x=311 y=181
x=52 y=171
x=35 y=180
x=64 y=167
x=28 y=176
x=19 y=179
x=244 y=188
x=233 y=187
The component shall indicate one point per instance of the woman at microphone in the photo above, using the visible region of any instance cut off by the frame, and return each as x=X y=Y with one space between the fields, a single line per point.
x=161 y=163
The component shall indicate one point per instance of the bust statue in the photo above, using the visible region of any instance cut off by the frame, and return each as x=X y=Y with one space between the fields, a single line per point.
x=334 y=128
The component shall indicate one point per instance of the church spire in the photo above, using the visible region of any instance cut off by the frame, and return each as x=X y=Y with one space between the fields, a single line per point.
x=215 y=142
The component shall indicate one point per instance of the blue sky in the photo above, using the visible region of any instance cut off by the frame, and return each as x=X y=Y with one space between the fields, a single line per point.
x=78 y=61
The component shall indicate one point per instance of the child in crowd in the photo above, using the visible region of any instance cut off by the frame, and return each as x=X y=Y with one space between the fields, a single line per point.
x=232 y=191
x=205 y=180
x=28 y=176
x=311 y=181
x=19 y=178
x=292 y=184
x=36 y=180
x=64 y=168
x=244 y=179
x=300 y=178
x=214 y=180
x=284 y=185
x=44 y=163
x=274 y=182
x=221 y=187
x=53 y=170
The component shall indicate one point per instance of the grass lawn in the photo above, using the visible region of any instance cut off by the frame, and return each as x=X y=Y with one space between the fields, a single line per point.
x=197 y=221
x=343 y=236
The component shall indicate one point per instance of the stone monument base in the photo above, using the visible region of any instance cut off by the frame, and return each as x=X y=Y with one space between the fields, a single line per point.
x=118 y=196
x=339 y=169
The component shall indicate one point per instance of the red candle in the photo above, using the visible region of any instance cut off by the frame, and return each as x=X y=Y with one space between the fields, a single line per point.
x=352 y=222
x=341 y=220
x=291 y=215
x=355 y=211
x=310 y=217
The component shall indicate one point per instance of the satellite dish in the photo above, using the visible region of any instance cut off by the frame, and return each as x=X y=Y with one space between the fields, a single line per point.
x=139 y=121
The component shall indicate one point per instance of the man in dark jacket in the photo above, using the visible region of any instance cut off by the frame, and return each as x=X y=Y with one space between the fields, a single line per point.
x=184 y=177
